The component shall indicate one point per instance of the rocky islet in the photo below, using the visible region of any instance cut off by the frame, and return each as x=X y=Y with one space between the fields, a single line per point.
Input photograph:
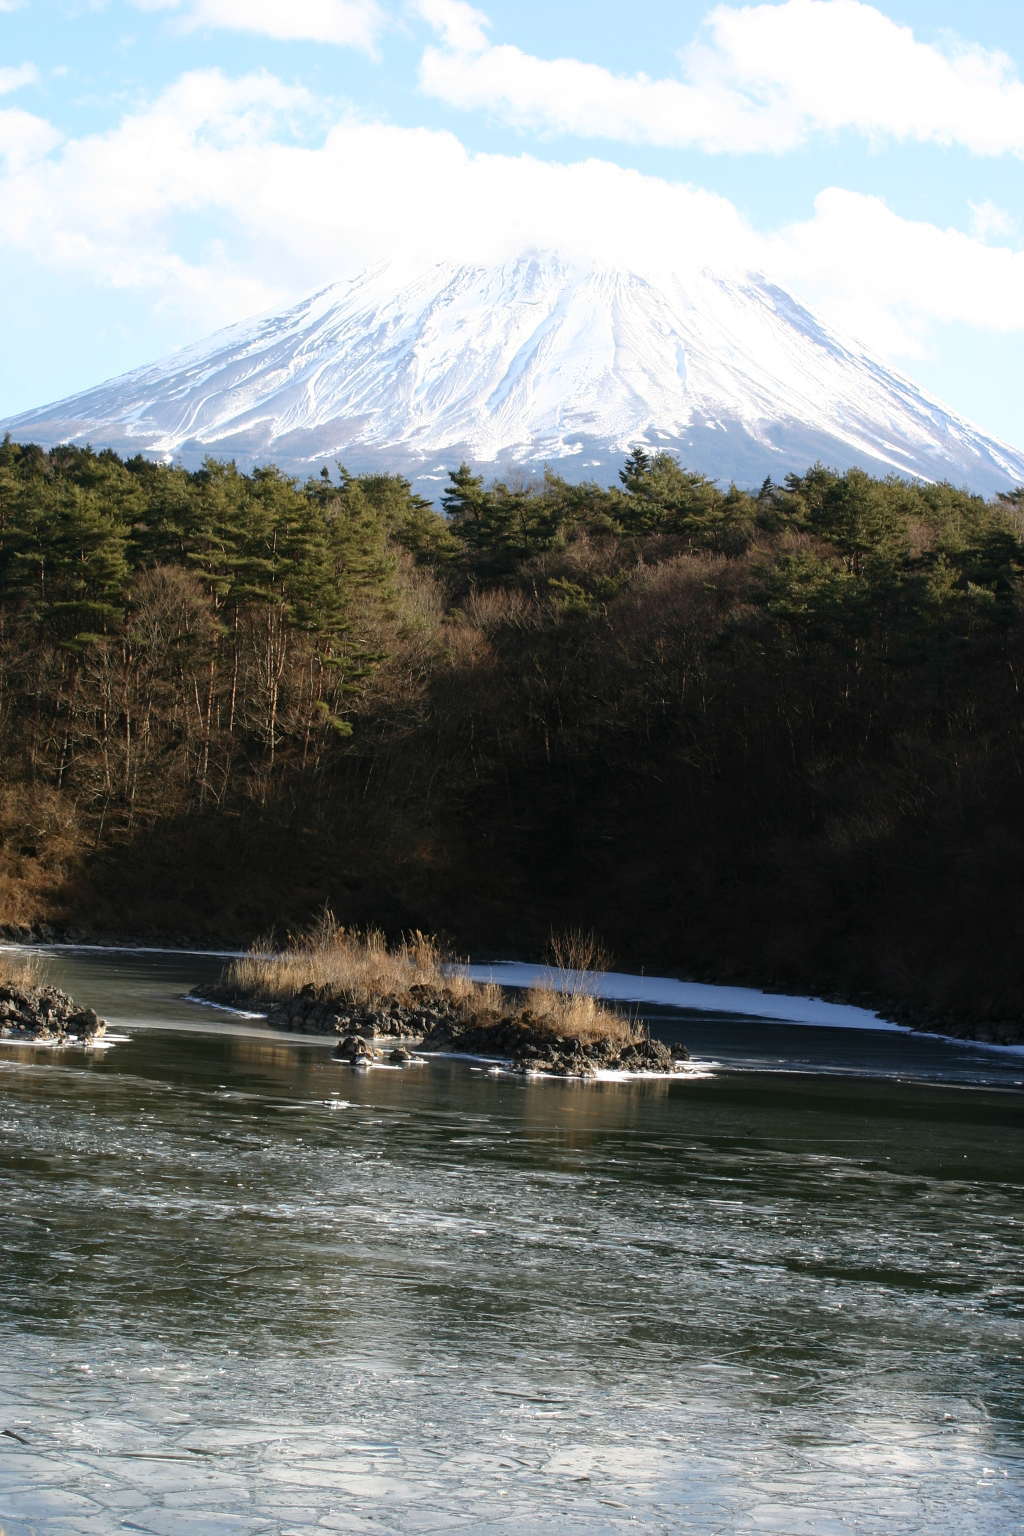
x=45 y=1015
x=440 y=1023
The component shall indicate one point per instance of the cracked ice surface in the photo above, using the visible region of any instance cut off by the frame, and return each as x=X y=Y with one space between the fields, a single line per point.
x=443 y=1302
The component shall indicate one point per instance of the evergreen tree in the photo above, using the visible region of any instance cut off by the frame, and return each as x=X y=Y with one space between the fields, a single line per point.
x=410 y=519
x=69 y=560
x=635 y=473
x=663 y=497
x=470 y=509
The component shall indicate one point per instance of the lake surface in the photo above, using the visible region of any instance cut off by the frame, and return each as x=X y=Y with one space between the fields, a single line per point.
x=248 y=1289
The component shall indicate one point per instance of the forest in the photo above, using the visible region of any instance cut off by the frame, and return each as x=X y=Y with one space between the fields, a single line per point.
x=771 y=737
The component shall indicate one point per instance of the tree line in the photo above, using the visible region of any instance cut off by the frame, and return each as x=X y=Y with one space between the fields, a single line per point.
x=775 y=736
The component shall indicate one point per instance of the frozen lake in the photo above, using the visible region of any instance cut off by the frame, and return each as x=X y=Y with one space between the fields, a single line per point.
x=247 y=1289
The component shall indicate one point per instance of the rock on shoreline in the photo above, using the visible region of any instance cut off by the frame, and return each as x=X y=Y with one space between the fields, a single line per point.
x=314 y=1011
x=46 y=1015
x=530 y=1047
x=439 y=1022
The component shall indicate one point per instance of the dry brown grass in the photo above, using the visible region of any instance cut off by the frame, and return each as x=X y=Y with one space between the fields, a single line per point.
x=363 y=969
x=488 y=997
x=566 y=1004
x=20 y=970
x=357 y=965
x=580 y=1016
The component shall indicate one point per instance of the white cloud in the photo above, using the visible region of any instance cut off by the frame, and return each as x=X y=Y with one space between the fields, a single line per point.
x=989 y=221
x=24 y=140
x=571 y=97
x=762 y=77
x=14 y=76
x=283 y=216
x=224 y=197
x=350 y=23
x=462 y=27
x=103 y=206
x=891 y=280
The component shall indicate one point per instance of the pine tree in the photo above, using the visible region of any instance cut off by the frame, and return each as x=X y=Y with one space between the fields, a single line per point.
x=663 y=497
x=410 y=519
x=469 y=507
x=634 y=473
x=70 y=562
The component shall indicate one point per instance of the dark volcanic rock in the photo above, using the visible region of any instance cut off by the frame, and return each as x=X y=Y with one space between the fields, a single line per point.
x=437 y=1019
x=46 y=1014
x=533 y=1048
x=356 y=1048
x=317 y=1011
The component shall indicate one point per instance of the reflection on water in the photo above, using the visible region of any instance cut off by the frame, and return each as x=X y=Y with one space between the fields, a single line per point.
x=250 y=1290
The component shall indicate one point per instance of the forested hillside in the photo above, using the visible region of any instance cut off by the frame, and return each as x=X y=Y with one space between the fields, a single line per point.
x=773 y=737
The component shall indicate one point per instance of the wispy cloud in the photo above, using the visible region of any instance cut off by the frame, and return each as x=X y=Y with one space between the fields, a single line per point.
x=761 y=78
x=348 y=23
x=13 y=77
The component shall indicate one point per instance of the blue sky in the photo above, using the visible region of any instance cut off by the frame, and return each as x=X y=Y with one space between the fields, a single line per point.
x=169 y=166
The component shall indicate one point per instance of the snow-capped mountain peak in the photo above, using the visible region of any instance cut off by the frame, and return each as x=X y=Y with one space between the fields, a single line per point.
x=537 y=361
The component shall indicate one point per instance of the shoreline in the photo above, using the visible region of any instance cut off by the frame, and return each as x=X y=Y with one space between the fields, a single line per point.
x=803 y=1010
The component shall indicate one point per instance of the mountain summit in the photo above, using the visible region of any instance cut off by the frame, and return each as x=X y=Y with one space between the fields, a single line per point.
x=534 y=362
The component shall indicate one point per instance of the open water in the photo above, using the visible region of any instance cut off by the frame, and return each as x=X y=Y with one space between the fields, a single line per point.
x=247 y=1289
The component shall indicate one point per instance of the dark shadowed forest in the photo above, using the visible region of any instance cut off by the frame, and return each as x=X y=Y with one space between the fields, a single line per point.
x=772 y=737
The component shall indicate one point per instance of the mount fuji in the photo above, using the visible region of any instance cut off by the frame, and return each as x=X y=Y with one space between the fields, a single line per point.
x=537 y=361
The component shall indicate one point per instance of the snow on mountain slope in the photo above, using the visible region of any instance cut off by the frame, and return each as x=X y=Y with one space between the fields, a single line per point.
x=533 y=362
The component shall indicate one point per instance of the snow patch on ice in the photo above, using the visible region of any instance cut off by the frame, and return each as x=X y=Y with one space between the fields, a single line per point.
x=102 y=1043
x=238 y=1013
x=665 y=991
x=706 y=997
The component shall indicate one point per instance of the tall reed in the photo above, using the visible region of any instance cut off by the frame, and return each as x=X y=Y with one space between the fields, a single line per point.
x=25 y=972
x=567 y=1004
